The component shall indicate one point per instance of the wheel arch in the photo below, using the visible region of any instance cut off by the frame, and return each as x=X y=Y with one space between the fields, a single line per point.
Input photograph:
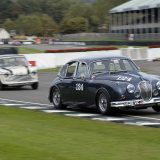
x=51 y=91
x=98 y=91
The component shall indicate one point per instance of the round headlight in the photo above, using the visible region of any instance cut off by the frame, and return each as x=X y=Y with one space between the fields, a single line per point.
x=34 y=73
x=6 y=75
x=130 y=88
x=158 y=85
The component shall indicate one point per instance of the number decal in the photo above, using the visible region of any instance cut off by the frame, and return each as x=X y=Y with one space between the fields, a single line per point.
x=79 y=87
x=124 y=79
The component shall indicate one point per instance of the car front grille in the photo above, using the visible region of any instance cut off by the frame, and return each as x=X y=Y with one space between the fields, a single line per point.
x=19 y=78
x=145 y=90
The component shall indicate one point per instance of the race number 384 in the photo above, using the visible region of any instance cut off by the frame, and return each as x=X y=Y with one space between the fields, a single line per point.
x=79 y=87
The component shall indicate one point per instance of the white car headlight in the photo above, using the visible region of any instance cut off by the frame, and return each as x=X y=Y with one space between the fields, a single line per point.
x=131 y=88
x=158 y=85
x=6 y=75
x=34 y=73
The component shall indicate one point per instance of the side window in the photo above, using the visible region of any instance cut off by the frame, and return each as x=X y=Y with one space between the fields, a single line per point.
x=114 y=65
x=62 y=71
x=98 y=67
x=71 y=69
x=82 y=70
x=127 y=65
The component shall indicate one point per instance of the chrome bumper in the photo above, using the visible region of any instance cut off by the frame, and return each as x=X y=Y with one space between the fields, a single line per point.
x=12 y=84
x=133 y=103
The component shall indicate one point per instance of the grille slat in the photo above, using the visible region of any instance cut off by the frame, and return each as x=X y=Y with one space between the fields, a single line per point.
x=145 y=90
x=19 y=78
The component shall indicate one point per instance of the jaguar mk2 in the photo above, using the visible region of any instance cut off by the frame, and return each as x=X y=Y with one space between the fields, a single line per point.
x=105 y=82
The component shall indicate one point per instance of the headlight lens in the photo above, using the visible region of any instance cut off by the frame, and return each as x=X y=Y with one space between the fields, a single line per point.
x=34 y=73
x=158 y=85
x=6 y=75
x=130 y=88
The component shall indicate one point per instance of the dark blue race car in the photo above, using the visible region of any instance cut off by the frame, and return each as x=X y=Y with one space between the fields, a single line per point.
x=105 y=82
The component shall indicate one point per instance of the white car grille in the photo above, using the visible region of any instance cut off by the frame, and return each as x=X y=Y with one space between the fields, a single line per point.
x=19 y=78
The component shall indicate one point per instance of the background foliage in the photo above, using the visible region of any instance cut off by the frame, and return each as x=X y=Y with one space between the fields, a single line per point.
x=47 y=17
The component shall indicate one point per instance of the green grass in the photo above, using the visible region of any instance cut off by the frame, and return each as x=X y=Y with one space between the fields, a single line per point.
x=31 y=135
x=55 y=70
x=25 y=50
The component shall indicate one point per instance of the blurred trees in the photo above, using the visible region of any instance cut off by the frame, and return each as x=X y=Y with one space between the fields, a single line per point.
x=74 y=25
x=46 y=17
x=34 y=24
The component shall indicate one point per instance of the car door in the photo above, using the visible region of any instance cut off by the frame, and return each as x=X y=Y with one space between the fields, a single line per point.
x=80 y=83
x=66 y=86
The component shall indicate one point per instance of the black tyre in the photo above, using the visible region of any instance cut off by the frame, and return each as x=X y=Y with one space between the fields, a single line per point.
x=35 y=85
x=2 y=86
x=56 y=99
x=156 y=108
x=103 y=102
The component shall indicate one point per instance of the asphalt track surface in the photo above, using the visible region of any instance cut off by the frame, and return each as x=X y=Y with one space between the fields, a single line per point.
x=27 y=94
x=40 y=98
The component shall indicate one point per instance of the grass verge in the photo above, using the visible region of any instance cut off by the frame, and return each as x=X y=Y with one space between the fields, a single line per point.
x=25 y=50
x=31 y=135
x=53 y=70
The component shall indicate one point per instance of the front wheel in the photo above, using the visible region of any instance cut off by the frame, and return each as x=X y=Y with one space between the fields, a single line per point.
x=35 y=85
x=56 y=99
x=103 y=102
x=2 y=86
x=156 y=108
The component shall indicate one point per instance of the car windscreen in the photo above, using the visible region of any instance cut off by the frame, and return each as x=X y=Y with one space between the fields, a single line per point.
x=112 y=65
x=15 y=61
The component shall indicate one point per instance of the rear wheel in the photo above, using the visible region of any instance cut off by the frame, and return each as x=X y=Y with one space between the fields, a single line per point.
x=56 y=99
x=156 y=108
x=35 y=85
x=103 y=102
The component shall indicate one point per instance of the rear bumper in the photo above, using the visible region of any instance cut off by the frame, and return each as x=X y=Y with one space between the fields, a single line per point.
x=134 y=103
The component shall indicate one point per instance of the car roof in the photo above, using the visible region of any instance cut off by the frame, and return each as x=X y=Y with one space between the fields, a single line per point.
x=90 y=59
x=10 y=56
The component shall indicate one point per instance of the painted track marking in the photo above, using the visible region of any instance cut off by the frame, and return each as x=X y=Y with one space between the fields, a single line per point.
x=82 y=115
x=57 y=111
x=128 y=119
x=33 y=107
x=12 y=104
x=110 y=119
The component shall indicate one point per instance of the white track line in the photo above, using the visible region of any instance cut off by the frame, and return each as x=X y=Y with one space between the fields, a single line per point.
x=52 y=106
x=12 y=104
x=110 y=119
x=56 y=111
x=143 y=123
x=32 y=103
x=33 y=107
x=150 y=118
x=81 y=115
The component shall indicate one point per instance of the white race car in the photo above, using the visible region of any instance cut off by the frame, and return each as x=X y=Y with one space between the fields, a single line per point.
x=15 y=71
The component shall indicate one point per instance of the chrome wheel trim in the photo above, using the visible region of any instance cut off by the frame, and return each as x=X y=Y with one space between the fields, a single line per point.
x=103 y=102
x=56 y=97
